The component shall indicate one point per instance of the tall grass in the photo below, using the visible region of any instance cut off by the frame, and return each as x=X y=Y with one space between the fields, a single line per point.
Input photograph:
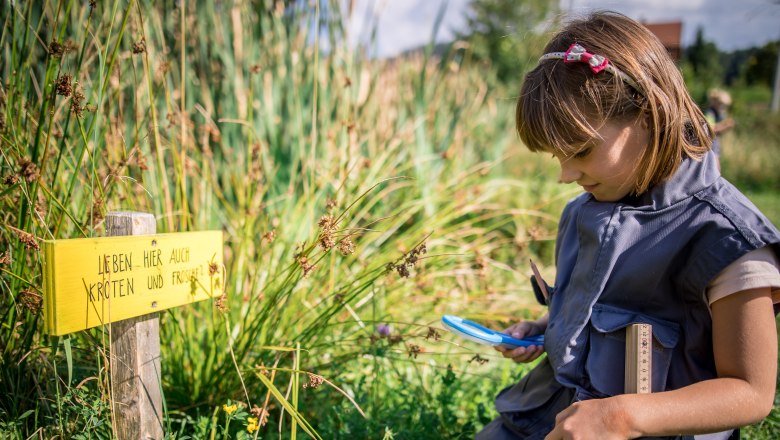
x=751 y=149
x=352 y=193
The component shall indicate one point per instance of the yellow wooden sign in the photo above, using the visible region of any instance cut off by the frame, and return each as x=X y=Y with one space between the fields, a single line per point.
x=94 y=281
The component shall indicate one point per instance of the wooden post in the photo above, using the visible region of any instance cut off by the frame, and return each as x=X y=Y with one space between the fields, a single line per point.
x=135 y=353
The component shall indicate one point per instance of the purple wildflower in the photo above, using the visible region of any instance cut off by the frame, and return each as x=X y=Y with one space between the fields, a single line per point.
x=383 y=330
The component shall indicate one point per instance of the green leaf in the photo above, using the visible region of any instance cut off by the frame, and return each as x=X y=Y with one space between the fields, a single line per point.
x=288 y=407
x=69 y=359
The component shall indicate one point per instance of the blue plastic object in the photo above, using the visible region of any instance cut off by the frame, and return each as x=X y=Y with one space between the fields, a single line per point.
x=483 y=335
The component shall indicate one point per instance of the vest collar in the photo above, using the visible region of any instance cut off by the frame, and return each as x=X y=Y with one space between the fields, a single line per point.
x=691 y=177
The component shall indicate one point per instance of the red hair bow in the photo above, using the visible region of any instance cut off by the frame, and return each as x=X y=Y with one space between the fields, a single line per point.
x=578 y=54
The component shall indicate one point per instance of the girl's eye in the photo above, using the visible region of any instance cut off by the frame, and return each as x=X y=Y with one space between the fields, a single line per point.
x=582 y=153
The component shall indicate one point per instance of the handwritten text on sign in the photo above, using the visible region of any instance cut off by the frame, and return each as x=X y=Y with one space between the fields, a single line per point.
x=94 y=281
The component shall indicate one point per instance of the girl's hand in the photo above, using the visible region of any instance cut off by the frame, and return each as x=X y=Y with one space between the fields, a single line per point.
x=588 y=419
x=519 y=331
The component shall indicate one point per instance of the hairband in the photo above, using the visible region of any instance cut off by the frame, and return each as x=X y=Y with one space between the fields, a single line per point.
x=597 y=63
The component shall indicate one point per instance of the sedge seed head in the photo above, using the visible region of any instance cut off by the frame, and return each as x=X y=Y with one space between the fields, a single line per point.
x=27 y=239
x=346 y=246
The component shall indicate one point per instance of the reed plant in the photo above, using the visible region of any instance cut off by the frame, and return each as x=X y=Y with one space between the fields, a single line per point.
x=357 y=204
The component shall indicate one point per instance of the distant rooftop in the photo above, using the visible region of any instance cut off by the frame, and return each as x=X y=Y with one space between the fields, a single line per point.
x=670 y=34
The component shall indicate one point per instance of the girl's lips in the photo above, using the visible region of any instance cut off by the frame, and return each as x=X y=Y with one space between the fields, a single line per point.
x=589 y=188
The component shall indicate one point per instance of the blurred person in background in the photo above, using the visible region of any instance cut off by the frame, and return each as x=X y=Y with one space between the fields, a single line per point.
x=718 y=103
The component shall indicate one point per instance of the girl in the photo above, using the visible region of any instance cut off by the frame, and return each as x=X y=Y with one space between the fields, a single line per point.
x=658 y=237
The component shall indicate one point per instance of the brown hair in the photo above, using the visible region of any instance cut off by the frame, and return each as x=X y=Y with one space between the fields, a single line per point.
x=561 y=106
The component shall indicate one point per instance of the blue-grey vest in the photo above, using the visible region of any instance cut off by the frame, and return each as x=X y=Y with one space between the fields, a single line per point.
x=645 y=259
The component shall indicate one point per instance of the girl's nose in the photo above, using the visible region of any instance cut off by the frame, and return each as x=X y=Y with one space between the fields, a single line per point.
x=569 y=173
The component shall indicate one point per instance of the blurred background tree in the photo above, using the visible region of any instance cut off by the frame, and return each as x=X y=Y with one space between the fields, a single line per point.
x=704 y=62
x=760 y=65
x=508 y=35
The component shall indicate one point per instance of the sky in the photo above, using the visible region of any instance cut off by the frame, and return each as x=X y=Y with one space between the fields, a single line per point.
x=730 y=24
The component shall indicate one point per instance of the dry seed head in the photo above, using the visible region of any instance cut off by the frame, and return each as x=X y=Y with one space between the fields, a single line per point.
x=164 y=68
x=315 y=380
x=75 y=102
x=139 y=47
x=140 y=162
x=432 y=334
x=413 y=350
x=257 y=149
x=56 y=49
x=326 y=222
x=213 y=268
x=306 y=266
x=346 y=246
x=221 y=303
x=11 y=180
x=27 y=239
x=29 y=170
x=214 y=134
x=327 y=238
x=261 y=414
x=31 y=300
x=63 y=85
x=5 y=258
x=269 y=236
x=403 y=270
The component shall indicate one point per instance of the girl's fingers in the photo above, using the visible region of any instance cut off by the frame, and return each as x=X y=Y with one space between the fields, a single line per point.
x=521 y=354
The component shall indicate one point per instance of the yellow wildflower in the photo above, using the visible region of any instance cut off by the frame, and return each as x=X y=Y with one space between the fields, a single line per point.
x=230 y=409
x=252 y=424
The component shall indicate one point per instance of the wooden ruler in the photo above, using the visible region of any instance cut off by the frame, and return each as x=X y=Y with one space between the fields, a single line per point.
x=639 y=359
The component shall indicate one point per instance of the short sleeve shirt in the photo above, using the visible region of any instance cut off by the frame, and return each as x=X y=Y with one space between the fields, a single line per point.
x=756 y=269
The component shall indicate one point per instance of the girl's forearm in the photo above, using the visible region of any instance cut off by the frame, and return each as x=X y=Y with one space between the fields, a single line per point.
x=694 y=409
x=745 y=349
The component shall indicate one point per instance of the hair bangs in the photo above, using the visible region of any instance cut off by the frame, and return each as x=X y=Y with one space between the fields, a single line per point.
x=549 y=116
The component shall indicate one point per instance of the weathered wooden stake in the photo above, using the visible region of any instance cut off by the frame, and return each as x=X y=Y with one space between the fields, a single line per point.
x=135 y=353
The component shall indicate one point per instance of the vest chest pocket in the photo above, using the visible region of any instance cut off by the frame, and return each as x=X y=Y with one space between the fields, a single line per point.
x=605 y=363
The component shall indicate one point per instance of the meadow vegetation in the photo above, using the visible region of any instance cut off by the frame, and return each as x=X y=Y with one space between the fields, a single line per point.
x=360 y=200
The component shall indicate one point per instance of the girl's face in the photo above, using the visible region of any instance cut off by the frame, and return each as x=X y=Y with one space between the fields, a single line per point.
x=607 y=166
